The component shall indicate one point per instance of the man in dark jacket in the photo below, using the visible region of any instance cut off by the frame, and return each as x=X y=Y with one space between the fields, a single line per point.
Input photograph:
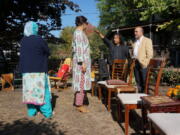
x=117 y=48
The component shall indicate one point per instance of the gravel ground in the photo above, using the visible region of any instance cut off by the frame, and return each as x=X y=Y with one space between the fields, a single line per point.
x=66 y=120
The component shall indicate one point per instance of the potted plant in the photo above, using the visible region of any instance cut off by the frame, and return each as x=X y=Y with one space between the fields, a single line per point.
x=174 y=92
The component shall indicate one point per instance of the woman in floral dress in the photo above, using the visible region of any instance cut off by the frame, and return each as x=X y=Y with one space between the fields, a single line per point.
x=81 y=63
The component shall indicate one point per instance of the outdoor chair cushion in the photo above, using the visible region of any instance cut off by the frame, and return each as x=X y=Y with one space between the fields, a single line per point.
x=126 y=88
x=116 y=82
x=130 y=98
x=169 y=123
x=105 y=84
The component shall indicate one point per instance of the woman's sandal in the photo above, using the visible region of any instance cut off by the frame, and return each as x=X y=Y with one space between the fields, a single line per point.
x=82 y=109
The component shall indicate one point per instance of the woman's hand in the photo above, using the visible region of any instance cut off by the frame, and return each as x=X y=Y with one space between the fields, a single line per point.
x=99 y=33
x=84 y=67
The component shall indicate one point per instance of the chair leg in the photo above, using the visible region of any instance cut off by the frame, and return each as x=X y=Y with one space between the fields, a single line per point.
x=126 y=119
x=145 y=120
x=3 y=83
x=7 y=79
x=11 y=85
x=55 y=85
x=92 y=89
x=109 y=99
x=11 y=88
x=152 y=130
x=99 y=92
x=119 y=111
x=65 y=83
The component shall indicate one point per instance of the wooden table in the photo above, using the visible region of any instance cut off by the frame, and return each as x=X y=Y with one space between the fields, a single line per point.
x=158 y=104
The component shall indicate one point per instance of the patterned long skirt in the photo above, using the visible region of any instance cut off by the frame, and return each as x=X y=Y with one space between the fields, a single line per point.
x=37 y=93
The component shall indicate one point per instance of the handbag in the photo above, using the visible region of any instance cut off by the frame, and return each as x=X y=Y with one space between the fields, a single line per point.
x=80 y=95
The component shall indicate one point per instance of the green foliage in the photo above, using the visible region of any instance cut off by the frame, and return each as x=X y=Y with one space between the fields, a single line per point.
x=63 y=50
x=67 y=36
x=115 y=13
x=55 y=51
x=15 y=13
x=171 y=78
x=161 y=9
x=97 y=45
x=95 y=42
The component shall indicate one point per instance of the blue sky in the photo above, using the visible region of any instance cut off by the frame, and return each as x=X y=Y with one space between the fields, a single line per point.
x=88 y=9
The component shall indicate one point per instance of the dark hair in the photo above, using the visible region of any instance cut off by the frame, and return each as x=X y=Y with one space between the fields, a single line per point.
x=120 y=38
x=80 y=20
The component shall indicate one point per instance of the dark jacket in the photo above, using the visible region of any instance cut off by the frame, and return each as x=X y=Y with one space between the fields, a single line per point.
x=117 y=52
x=34 y=54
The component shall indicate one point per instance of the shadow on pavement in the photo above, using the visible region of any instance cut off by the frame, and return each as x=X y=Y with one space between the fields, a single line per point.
x=29 y=127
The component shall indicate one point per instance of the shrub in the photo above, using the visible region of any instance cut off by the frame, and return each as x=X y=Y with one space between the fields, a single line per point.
x=171 y=78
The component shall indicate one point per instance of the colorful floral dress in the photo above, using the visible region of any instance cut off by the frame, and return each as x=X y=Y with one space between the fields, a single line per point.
x=34 y=86
x=81 y=53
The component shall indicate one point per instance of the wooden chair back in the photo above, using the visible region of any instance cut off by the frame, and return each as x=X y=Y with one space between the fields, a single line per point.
x=153 y=76
x=95 y=67
x=131 y=71
x=119 y=69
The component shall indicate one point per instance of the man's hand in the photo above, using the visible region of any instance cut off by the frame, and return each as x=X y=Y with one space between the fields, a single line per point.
x=84 y=67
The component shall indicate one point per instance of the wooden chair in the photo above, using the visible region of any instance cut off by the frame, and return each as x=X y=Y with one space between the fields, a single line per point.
x=95 y=67
x=113 y=88
x=58 y=79
x=119 y=69
x=164 y=123
x=128 y=73
x=158 y=104
x=131 y=101
x=7 y=79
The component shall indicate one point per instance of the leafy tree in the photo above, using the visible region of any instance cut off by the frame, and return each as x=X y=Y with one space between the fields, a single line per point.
x=65 y=49
x=55 y=51
x=115 y=13
x=67 y=36
x=167 y=10
x=14 y=14
x=97 y=45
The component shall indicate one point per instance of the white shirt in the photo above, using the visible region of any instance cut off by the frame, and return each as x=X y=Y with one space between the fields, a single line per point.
x=137 y=45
